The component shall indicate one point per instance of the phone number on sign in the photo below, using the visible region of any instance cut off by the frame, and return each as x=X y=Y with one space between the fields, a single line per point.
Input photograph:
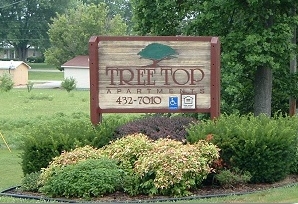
x=139 y=100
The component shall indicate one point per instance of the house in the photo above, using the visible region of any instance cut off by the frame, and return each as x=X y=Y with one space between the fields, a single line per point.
x=18 y=70
x=78 y=68
x=8 y=52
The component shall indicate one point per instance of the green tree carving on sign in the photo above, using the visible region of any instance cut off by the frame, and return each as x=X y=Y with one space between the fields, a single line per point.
x=157 y=52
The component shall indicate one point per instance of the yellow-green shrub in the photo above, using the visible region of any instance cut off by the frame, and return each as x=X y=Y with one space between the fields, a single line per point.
x=172 y=168
x=128 y=149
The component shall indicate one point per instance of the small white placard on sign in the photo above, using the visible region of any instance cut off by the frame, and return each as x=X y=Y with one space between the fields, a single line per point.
x=188 y=101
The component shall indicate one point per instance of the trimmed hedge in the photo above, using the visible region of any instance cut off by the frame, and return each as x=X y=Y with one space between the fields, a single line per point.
x=85 y=179
x=48 y=137
x=263 y=146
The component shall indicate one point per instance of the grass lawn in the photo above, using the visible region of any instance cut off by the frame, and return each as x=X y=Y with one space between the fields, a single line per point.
x=41 y=66
x=55 y=76
x=10 y=168
x=19 y=106
x=279 y=195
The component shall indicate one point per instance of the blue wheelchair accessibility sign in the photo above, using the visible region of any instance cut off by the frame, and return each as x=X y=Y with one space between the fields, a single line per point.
x=173 y=102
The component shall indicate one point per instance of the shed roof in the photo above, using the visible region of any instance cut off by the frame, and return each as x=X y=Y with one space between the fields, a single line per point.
x=12 y=64
x=81 y=61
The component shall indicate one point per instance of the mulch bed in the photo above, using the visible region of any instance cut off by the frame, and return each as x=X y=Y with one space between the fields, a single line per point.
x=204 y=192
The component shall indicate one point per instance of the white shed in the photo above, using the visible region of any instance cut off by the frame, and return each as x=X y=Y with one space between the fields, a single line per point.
x=78 y=68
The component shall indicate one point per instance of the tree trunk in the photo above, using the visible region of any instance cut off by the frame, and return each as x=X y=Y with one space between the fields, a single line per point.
x=263 y=91
x=21 y=52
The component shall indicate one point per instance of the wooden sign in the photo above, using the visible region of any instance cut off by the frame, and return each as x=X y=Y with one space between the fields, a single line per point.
x=154 y=74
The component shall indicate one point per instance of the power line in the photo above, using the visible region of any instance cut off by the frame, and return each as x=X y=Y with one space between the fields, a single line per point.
x=11 y=4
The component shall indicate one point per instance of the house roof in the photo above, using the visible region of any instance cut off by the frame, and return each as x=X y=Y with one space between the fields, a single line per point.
x=12 y=64
x=81 y=61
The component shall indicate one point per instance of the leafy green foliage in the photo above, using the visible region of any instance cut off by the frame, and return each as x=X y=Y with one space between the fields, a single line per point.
x=230 y=178
x=86 y=179
x=39 y=59
x=252 y=37
x=30 y=16
x=294 y=166
x=126 y=151
x=31 y=182
x=172 y=168
x=69 y=33
x=253 y=34
x=6 y=82
x=68 y=158
x=50 y=136
x=263 y=146
x=69 y=84
x=159 y=17
x=157 y=127
x=118 y=7
x=164 y=166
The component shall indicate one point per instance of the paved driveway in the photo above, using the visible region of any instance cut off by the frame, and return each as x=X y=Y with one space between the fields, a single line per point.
x=43 y=84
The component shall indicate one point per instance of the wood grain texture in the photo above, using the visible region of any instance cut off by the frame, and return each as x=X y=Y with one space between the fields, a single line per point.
x=123 y=73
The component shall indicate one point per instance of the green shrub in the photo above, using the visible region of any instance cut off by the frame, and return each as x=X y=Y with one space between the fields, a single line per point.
x=30 y=86
x=86 y=179
x=6 y=82
x=231 y=178
x=173 y=168
x=294 y=166
x=151 y=167
x=157 y=127
x=31 y=182
x=261 y=145
x=128 y=149
x=48 y=137
x=39 y=59
x=67 y=158
x=69 y=84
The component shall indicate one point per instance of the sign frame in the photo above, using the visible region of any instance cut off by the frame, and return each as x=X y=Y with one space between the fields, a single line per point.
x=96 y=112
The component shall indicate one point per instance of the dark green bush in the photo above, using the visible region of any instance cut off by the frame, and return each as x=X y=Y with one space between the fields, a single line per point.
x=48 y=137
x=157 y=127
x=39 y=59
x=294 y=166
x=263 y=146
x=86 y=179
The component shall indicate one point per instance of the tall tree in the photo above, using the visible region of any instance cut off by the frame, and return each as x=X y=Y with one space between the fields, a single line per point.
x=24 y=23
x=258 y=37
x=117 y=7
x=70 y=32
x=159 y=17
x=256 y=42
